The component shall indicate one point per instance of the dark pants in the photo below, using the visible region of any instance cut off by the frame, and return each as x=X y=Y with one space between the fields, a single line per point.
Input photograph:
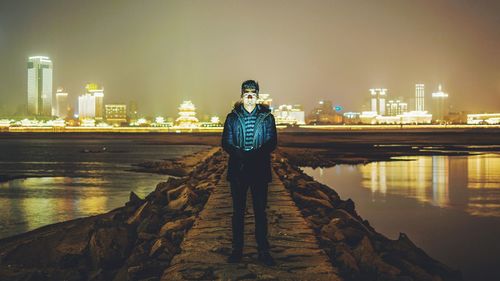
x=259 y=198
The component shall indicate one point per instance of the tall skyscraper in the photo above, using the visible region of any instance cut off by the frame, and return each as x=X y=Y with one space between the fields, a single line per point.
x=439 y=104
x=91 y=104
x=378 y=100
x=39 y=86
x=86 y=106
x=98 y=93
x=419 y=97
x=396 y=107
x=61 y=109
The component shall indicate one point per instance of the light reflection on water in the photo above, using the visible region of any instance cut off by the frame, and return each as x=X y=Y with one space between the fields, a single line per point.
x=448 y=205
x=63 y=183
x=475 y=181
x=29 y=203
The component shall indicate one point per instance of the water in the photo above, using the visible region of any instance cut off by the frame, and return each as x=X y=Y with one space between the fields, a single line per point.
x=448 y=205
x=63 y=183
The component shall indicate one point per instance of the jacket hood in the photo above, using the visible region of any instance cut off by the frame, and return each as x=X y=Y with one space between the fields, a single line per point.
x=261 y=108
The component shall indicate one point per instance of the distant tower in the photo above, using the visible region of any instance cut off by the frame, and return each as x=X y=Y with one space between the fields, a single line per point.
x=419 y=97
x=86 y=106
x=381 y=99
x=98 y=93
x=39 y=86
x=439 y=104
x=378 y=97
x=373 y=93
x=61 y=109
x=90 y=105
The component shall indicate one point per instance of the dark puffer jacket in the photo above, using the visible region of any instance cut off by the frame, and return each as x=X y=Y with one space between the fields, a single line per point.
x=255 y=165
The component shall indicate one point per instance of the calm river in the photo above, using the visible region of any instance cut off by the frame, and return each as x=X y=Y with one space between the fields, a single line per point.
x=448 y=205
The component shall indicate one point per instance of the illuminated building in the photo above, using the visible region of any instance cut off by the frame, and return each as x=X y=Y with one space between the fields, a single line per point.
x=484 y=118
x=378 y=100
x=412 y=117
x=39 y=86
x=116 y=114
x=214 y=122
x=265 y=99
x=90 y=105
x=289 y=114
x=187 y=115
x=352 y=117
x=86 y=107
x=61 y=110
x=98 y=94
x=133 y=112
x=416 y=117
x=396 y=107
x=457 y=117
x=419 y=97
x=368 y=117
x=87 y=123
x=439 y=105
x=324 y=114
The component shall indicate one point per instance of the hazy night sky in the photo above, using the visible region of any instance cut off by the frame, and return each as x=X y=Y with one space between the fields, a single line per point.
x=162 y=52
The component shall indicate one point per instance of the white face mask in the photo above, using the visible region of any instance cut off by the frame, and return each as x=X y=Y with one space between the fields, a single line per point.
x=249 y=100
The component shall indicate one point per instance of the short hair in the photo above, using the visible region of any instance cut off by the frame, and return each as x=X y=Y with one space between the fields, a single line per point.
x=250 y=85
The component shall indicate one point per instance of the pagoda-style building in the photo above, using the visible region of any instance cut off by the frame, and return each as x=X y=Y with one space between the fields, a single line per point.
x=187 y=115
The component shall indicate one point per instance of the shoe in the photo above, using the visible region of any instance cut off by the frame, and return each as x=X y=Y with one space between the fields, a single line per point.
x=235 y=256
x=266 y=258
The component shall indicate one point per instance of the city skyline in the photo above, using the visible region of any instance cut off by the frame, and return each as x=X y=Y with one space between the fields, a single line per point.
x=91 y=103
x=169 y=52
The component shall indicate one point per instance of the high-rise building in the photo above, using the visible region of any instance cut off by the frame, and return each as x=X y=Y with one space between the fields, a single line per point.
x=378 y=100
x=90 y=105
x=86 y=106
x=39 y=86
x=439 y=105
x=396 y=107
x=61 y=109
x=116 y=113
x=98 y=93
x=419 y=97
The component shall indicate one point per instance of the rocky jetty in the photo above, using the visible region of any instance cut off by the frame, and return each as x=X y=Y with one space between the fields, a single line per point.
x=133 y=242
x=352 y=244
x=144 y=239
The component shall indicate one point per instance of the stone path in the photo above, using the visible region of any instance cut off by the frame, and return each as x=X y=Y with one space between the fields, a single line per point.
x=208 y=243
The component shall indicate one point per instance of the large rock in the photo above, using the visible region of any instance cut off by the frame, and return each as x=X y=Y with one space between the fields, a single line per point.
x=311 y=202
x=176 y=225
x=163 y=246
x=185 y=198
x=370 y=261
x=139 y=214
x=332 y=231
x=109 y=246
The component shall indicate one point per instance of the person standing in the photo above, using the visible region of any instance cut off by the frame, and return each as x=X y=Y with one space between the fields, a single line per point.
x=249 y=137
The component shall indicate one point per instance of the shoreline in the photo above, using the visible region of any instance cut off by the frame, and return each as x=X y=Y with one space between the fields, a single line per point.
x=150 y=232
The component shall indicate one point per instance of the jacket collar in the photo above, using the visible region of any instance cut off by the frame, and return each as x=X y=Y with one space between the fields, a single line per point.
x=260 y=108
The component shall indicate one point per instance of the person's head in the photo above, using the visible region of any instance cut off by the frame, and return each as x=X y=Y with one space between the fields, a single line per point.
x=249 y=92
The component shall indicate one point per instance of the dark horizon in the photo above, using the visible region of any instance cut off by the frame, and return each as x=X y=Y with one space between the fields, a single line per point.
x=163 y=52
